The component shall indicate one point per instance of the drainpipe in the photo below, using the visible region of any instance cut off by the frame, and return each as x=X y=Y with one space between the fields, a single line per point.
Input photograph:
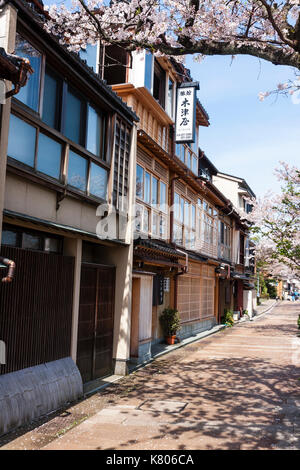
x=11 y=269
x=184 y=270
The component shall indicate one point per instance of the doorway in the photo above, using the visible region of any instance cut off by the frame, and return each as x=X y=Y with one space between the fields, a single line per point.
x=96 y=321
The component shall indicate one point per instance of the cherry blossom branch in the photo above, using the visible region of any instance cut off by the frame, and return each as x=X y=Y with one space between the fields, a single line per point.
x=178 y=27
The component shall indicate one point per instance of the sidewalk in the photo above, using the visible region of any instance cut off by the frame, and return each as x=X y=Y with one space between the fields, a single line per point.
x=202 y=396
x=265 y=306
x=39 y=434
x=160 y=349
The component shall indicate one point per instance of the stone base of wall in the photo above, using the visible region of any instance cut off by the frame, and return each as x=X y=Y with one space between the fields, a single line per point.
x=120 y=367
x=144 y=354
x=195 y=328
x=30 y=393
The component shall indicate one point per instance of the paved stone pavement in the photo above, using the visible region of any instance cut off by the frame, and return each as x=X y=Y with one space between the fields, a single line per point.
x=237 y=389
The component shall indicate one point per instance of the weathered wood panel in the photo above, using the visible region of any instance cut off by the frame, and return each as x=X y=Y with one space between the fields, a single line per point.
x=36 y=308
x=96 y=321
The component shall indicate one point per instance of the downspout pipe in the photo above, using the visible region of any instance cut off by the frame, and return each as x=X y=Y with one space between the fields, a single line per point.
x=184 y=270
x=11 y=269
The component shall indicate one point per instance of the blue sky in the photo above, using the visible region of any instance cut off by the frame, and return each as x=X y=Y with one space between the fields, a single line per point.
x=247 y=137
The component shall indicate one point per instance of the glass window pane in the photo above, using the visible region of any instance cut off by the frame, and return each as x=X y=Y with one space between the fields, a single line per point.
x=188 y=159
x=93 y=131
x=148 y=70
x=154 y=199
x=146 y=220
x=31 y=242
x=163 y=196
x=177 y=234
x=180 y=150
x=177 y=206
x=139 y=181
x=9 y=238
x=195 y=165
x=98 y=181
x=162 y=227
x=77 y=171
x=155 y=224
x=49 y=155
x=193 y=216
x=181 y=210
x=73 y=118
x=29 y=94
x=21 y=141
x=147 y=187
x=50 y=100
x=186 y=213
x=170 y=97
x=192 y=240
x=52 y=245
x=138 y=217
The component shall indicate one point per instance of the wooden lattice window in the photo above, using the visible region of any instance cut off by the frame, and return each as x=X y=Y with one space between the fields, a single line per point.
x=121 y=164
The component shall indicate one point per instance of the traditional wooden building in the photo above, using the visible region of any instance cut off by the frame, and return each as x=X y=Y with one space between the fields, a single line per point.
x=69 y=154
x=176 y=247
x=242 y=266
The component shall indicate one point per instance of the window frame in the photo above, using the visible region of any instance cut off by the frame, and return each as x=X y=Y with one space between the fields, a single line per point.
x=35 y=120
x=161 y=73
x=154 y=209
x=59 y=96
x=21 y=231
x=224 y=240
x=184 y=221
x=27 y=108
x=186 y=155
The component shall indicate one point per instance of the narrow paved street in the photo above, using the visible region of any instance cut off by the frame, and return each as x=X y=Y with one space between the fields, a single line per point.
x=238 y=389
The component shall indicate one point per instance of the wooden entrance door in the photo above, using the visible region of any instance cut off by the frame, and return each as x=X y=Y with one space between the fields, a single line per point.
x=96 y=321
x=141 y=314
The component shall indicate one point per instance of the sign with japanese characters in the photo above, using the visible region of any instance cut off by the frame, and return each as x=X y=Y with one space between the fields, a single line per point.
x=186 y=113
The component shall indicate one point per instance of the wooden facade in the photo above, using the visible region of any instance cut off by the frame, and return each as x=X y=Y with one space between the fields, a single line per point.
x=189 y=224
x=36 y=309
x=70 y=151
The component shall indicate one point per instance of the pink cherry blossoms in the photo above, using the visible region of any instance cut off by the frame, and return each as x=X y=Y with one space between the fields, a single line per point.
x=262 y=28
x=276 y=224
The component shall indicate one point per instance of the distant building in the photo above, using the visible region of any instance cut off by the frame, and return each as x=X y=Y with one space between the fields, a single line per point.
x=243 y=261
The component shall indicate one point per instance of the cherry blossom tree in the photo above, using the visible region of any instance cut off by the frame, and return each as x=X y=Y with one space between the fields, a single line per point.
x=276 y=224
x=268 y=264
x=267 y=29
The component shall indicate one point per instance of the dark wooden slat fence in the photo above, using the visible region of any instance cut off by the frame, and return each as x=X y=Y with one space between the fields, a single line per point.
x=36 y=309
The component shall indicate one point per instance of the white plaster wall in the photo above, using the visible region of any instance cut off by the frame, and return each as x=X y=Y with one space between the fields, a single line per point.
x=137 y=72
x=254 y=299
x=248 y=301
x=32 y=199
x=228 y=187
